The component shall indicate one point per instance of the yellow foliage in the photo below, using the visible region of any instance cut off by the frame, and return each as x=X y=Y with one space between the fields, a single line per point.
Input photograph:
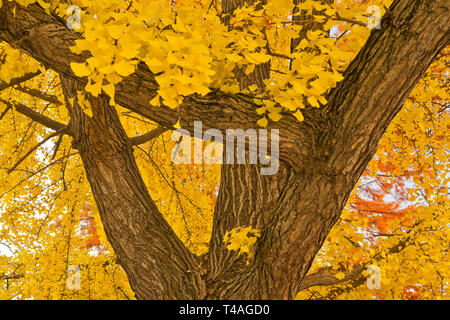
x=242 y=240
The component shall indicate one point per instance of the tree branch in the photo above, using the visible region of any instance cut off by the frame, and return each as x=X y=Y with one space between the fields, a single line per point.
x=380 y=78
x=35 y=116
x=16 y=81
x=12 y=276
x=137 y=140
x=325 y=278
x=39 y=94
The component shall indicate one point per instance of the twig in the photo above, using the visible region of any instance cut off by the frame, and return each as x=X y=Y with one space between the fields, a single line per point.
x=13 y=276
x=54 y=134
x=39 y=94
x=148 y=136
x=35 y=116
x=15 y=81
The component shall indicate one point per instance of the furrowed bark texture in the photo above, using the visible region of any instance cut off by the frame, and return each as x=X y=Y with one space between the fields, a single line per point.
x=146 y=246
x=321 y=158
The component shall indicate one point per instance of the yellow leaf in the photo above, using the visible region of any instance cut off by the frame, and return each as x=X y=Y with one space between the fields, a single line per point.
x=95 y=88
x=313 y=101
x=340 y=275
x=299 y=115
x=80 y=69
x=249 y=68
x=234 y=57
x=115 y=31
x=155 y=101
x=124 y=68
x=261 y=110
x=262 y=122
x=275 y=116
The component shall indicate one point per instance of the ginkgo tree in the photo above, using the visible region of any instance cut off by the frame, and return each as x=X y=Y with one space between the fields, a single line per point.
x=92 y=90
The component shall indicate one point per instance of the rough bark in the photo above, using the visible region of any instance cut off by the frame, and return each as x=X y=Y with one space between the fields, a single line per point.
x=157 y=263
x=322 y=158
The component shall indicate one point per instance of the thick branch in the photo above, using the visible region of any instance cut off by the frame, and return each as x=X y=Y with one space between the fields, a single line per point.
x=48 y=40
x=261 y=71
x=380 y=78
x=324 y=278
